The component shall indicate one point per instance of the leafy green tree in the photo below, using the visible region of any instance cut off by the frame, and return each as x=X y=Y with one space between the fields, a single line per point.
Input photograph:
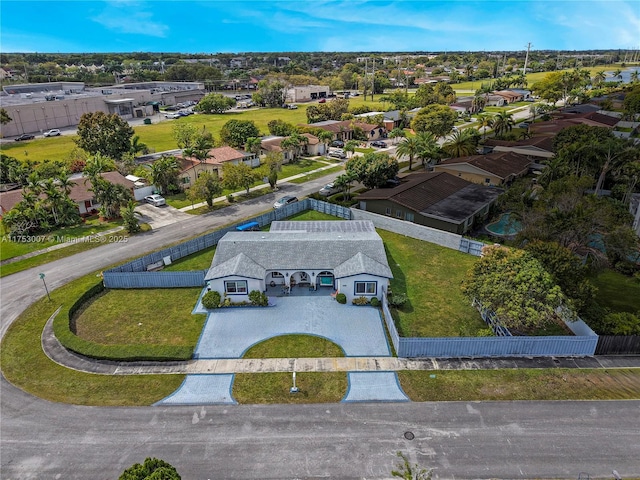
x=184 y=134
x=344 y=182
x=280 y=128
x=239 y=176
x=151 y=469
x=236 y=132
x=514 y=285
x=397 y=133
x=130 y=217
x=350 y=146
x=273 y=166
x=164 y=174
x=372 y=169
x=214 y=103
x=271 y=93
x=207 y=187
x=107 y=134
x=13 y=170
x=631 y=103
x=110 y=196
x=253 y=145
x=436 y=119
x=4 y=117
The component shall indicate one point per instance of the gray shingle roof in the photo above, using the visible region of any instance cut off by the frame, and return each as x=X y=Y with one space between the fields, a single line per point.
x=251 y=254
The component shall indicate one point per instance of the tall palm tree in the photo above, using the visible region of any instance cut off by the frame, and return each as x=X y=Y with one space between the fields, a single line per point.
x=429 y=150
x=200 y=148
x=137 y=146
x=350 y=147
x=462 y=143
x=485 y=121
x=325 y=137
x=635 y=76
x=600 y=77
x=408 y=147
x=502 y=123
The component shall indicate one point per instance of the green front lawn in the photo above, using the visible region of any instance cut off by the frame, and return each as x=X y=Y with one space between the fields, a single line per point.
x=617 y=292
x=270 y=388
x=430 y=275
x=295 y=346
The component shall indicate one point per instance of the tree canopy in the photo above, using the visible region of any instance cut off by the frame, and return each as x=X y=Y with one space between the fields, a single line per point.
x=435 y=119
x=103 y=133
x=236 y=132
x=151 y=469
x=514 y=285
x=372 y=169
x=215 y=103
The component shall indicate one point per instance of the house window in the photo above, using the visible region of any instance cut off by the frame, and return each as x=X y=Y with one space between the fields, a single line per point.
x=186 y=180
x=276 y=275
x=487 y=180
x=408 y=217
x=236 y=287
x=399 y=214
x=387 y=211
x=366 y=288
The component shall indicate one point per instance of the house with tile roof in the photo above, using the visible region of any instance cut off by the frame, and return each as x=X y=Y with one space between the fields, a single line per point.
x=273 y=143
x=434 y=199
x=191 y=167
x=344 y=130
x=343 y=256
x=81 y=193
x=534 y=148
x=492 y=169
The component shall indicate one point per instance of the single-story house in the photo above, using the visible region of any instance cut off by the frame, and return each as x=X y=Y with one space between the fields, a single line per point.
x=192 y=167
x=434 y=199
x=509 y=95
x=494 y=100
x=273 y=143
x=493 y=169
x=534 y=147
x=81 y=193
x=344 y=130
x=344 y=256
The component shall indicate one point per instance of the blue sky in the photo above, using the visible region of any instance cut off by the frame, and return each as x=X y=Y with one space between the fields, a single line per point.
x=215 y=26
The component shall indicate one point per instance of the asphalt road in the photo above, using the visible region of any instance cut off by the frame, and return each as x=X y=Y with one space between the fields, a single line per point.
x=40 y=440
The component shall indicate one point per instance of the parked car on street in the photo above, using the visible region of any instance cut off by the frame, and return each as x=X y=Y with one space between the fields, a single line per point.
x=24 y=136
x=328 y=189
x=285 y=201
x=54 y=132
x=337 y=143
x=155 y=200
x=337 y=153
x=378 y=144
x=523 y=125
x=172 y=115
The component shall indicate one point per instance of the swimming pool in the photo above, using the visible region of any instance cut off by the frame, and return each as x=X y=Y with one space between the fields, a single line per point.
x=505 y=226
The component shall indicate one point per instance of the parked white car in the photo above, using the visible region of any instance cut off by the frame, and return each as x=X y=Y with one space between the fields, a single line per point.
x=155 y=200
x=172 y=115
x=328 y=189
x=54 y=132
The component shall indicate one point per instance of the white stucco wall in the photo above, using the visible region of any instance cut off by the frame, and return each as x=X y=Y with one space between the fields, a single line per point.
x=218 y=285
x=346 y=285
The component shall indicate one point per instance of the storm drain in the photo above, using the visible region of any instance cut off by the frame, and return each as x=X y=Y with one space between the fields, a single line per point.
x=409 y=435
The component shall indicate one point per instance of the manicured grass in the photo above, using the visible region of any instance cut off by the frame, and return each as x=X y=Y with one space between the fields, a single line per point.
x=25 y=365
x=40 y=149
x=617 y=292
x=196 y=261
x=312 y=215
x=430 y=275
x=149 y=316
x=92 y=225
x=312 y=176
x=295 y=346
x=365 y=150
x=267 y=388
x=521 y=384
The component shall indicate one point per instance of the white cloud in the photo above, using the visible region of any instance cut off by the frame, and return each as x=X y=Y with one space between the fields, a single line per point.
x=130 y=17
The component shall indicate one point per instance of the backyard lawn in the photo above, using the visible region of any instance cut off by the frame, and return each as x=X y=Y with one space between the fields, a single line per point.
x=430 y=275
x=617 y=292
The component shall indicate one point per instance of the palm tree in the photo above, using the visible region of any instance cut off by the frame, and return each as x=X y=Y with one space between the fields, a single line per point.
x=163 y=172
x=350 y=147
x=137 y=146
x=535 y=110
x=617 y=74
x=462 y=143
x=200 y=148
x=344 y=182
x=600 y=77
x=325 y=137
x=502 y=123
x=485 y=121
x=408 y=147
x=635 y=76
x=429 y=150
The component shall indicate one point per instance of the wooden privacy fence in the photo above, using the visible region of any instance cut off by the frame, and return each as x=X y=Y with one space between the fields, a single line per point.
x=618 y=345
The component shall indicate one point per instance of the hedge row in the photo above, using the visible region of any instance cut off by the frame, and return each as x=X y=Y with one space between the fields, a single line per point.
x=63 y=329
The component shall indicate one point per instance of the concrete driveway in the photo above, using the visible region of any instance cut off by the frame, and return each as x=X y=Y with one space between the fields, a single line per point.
x=229 y=332
x=160 y=216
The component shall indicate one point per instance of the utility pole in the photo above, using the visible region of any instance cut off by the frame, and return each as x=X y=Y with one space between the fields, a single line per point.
x=526 y=59
x=373 y=78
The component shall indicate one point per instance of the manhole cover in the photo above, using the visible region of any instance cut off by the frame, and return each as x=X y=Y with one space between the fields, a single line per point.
x=409 y=435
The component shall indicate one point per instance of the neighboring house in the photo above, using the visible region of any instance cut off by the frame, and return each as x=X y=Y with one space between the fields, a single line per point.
x=344 y=130
x=390 y=120
x=81 y=193
x=307 y=93
x=493 y=169
x=345 y=256
x=435 y=199
x=533 y=148
x=191 y=168
x=314 y=147
x=634 y=209
x=509 y=96
x=494 y=100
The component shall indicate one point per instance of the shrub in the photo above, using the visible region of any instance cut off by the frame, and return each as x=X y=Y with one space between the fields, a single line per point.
x=341 y=298
x=258 y=298
x=211 y=299
x=375 y=302
x=360 y=301
x=398 y=300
